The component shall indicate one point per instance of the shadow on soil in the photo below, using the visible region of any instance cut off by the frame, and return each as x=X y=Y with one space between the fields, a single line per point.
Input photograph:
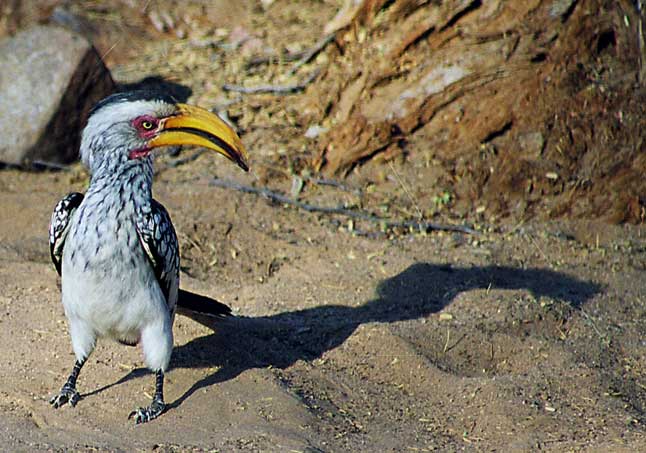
x=280 y=340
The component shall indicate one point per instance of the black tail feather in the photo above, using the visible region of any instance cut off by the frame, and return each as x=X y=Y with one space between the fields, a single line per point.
x=189 y=304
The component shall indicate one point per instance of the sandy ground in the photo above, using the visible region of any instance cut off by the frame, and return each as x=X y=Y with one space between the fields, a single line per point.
x=523 y=338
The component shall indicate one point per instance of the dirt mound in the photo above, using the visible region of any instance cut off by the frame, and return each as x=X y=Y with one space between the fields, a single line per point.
x=531 y=109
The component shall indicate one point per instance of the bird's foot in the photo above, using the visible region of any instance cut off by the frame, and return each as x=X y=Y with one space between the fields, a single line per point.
x=146 y=414
x=68 y=394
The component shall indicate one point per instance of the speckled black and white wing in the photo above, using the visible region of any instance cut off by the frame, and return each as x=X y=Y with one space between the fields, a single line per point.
x=159 y=240
x=60 y=224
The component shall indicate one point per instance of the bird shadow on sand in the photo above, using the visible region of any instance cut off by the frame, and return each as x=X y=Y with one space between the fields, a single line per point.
x=242 y=343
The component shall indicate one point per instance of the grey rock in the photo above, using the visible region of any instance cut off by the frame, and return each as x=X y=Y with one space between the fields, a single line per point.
x=50 y=78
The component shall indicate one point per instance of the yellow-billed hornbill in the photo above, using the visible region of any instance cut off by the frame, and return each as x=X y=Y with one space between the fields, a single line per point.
x=115 y=247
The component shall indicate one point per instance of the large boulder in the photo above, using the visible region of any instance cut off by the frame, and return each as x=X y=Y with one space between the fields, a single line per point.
x=49 y=80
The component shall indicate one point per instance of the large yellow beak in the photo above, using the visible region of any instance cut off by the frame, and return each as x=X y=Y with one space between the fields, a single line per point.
x=195 y=126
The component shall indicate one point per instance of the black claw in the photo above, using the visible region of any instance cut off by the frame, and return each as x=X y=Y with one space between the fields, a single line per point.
x=146 y=414
x=68 y=394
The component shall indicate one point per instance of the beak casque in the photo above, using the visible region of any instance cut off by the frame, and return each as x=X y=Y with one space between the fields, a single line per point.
x=196 y=126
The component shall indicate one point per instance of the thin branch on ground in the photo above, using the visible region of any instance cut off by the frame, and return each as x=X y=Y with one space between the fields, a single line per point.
x=333 y=183
x=593 y=324
x=314 y=180
x=37 y=164
x=406 y=191
x=351 y=213
x=273 y=89
x=312 y=52
x=302 y=57
x=274 y=58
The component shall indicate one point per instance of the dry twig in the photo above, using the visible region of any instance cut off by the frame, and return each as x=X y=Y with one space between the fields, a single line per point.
x=36 y=165
x=333 y=183
x=312 y=52
x=354 y=214
x=40 y=164
x=274 y=58
x=303 y=57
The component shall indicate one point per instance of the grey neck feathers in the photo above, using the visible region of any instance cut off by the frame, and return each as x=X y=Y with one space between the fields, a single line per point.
x=130 y=177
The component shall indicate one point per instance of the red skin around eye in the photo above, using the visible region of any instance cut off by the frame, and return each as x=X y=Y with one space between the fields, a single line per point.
x=146 y=133
x=143 y=133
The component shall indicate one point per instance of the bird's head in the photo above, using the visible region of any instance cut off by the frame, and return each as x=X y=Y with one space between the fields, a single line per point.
x=129 y=126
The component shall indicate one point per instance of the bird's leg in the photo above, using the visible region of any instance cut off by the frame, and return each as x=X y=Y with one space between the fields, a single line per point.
x=156 y=408
x=69 y=393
